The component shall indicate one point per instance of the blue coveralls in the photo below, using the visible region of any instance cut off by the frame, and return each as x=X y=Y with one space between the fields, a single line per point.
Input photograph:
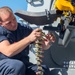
x=18 y=64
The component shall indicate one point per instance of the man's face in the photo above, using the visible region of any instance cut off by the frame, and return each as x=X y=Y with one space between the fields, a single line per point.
x=9 y=21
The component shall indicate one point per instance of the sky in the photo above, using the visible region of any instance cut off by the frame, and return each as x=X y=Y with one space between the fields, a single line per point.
x=14 y=4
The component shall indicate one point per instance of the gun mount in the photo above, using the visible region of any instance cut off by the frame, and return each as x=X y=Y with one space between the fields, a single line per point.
x=63 y=11
x=65 y=27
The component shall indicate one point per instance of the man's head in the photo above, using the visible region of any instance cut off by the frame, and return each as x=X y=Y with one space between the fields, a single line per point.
x=7 y=18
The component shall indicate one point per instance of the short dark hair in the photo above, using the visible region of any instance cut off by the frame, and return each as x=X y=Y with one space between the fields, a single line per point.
x=5 y=8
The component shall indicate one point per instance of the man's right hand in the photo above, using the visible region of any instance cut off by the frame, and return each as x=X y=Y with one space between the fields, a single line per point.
x=36 y=34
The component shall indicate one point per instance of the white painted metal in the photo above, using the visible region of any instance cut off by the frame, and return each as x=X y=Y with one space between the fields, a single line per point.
x=38 y=6
x=58 y=53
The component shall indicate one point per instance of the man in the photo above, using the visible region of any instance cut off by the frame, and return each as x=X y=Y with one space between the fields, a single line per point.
x=14 y=45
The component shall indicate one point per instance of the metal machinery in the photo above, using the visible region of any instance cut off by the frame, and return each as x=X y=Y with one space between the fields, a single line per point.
x=61 y=56
x=31 y=1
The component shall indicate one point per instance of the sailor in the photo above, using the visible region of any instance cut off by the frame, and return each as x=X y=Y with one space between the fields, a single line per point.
x=15 y=39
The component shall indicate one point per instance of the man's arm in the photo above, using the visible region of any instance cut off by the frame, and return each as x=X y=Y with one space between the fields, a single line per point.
x=12 y=49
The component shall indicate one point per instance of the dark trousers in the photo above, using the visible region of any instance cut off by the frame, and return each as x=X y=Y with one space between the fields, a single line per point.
x=16 y=67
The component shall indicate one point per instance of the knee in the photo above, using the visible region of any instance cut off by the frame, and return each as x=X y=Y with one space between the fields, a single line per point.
x=14 y=63
x=15 y=66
